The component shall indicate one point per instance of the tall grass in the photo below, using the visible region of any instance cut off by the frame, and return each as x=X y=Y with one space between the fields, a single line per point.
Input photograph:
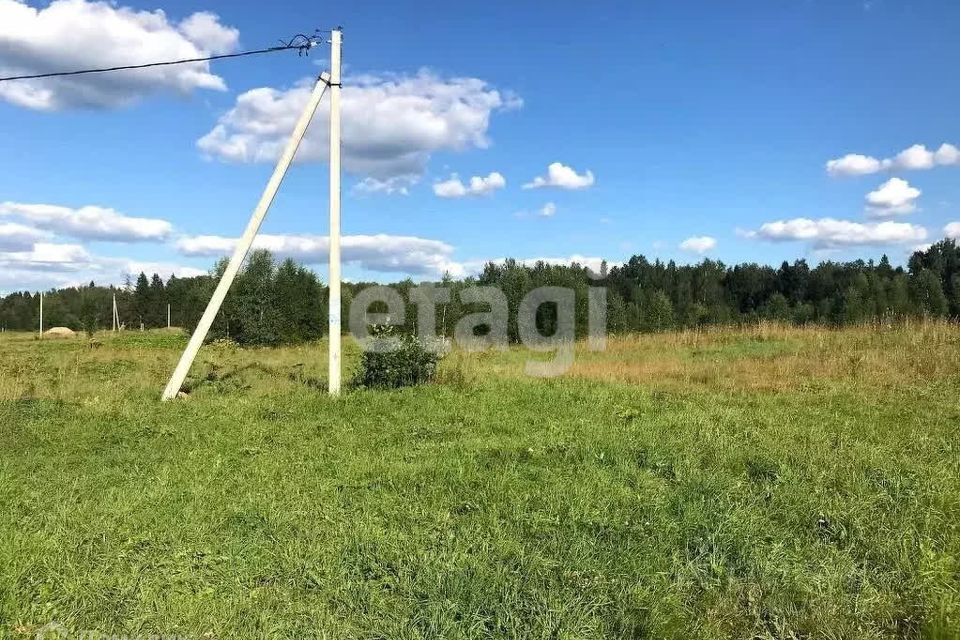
x=764 y=482
x=773 y=357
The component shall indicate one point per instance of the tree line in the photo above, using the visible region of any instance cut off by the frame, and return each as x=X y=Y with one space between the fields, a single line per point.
x=282 y=302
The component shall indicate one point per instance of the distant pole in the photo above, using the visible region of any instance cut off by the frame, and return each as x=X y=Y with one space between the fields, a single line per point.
x=41 y=314
x=333 y=375
x=168 y=315
x=114 y=313
x=243 y=246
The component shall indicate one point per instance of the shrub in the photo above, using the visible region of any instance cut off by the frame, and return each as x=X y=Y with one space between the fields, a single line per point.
x=392 y=361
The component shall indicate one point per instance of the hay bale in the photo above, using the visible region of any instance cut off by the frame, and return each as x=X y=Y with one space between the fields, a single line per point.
x=60 y=332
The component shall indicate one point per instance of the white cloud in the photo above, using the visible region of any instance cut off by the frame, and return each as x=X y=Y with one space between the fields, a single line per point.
x=952 y=230
x=698 y=244
x=49 y=264
x=478 y=186
x=895 y=196
x=829 y=233
x=18 y=237
x=76 y=34
x=947 y=154
x=914 y=158
x=209 y=245
x=854 y=164
x=89 y=223
x=126 y=266
x=392 y=124
x=204 y=28
x=18 y=280
x=452 y=188
x=491 y=183
x=48 y=256
x=563 y=177
x=384 y=253
x=398 y=184
x=547 y=210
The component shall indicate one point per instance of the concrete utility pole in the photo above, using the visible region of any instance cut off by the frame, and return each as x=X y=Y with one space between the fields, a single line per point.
x=243 y=246
x=41 y=314
x=333 y=372
x=114 y=314
x=168 y=315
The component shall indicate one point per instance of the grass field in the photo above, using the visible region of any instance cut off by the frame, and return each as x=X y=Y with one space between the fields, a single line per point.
x=742 y=483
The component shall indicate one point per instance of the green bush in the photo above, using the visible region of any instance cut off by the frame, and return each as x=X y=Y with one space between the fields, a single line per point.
x=392 y=361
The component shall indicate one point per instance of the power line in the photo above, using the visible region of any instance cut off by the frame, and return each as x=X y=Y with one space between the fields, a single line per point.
x=300 y=42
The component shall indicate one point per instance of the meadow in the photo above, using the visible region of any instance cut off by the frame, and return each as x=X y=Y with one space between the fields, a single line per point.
x=760 y=482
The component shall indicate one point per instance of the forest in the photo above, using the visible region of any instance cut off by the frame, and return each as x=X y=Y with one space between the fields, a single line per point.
x=281 y=302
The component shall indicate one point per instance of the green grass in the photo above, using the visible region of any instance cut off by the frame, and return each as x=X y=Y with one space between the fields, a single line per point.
x=662 y=502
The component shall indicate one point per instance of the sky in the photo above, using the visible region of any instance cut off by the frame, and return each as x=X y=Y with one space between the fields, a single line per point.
x=742 y=131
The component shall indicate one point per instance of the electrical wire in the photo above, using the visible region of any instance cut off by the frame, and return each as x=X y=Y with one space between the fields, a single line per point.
x=300 y=42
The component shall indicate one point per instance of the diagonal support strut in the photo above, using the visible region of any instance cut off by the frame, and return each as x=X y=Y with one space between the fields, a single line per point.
x=243 y=246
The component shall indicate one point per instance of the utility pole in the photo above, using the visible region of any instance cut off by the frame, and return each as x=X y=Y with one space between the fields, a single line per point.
x=243 y=246
x=114 y=314
x=333 y=374
x=41 y=314
x=168 y=315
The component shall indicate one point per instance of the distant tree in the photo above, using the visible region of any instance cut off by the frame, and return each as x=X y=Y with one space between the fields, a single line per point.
x=658 y=313
x=954 y=296
x=617 y=319
x=157 y=303
x=884 y=270
x=298 y=300
x=273 y=304
x=855 y=304
x=927 y=294
x=804 y=313
x=898 y=296
x=89 y=316
x=777 y=308
x=141 y=299
x=254 y=320
x=877 y=293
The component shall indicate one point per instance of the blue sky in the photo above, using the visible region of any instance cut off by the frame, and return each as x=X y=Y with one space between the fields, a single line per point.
x=705 y=122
